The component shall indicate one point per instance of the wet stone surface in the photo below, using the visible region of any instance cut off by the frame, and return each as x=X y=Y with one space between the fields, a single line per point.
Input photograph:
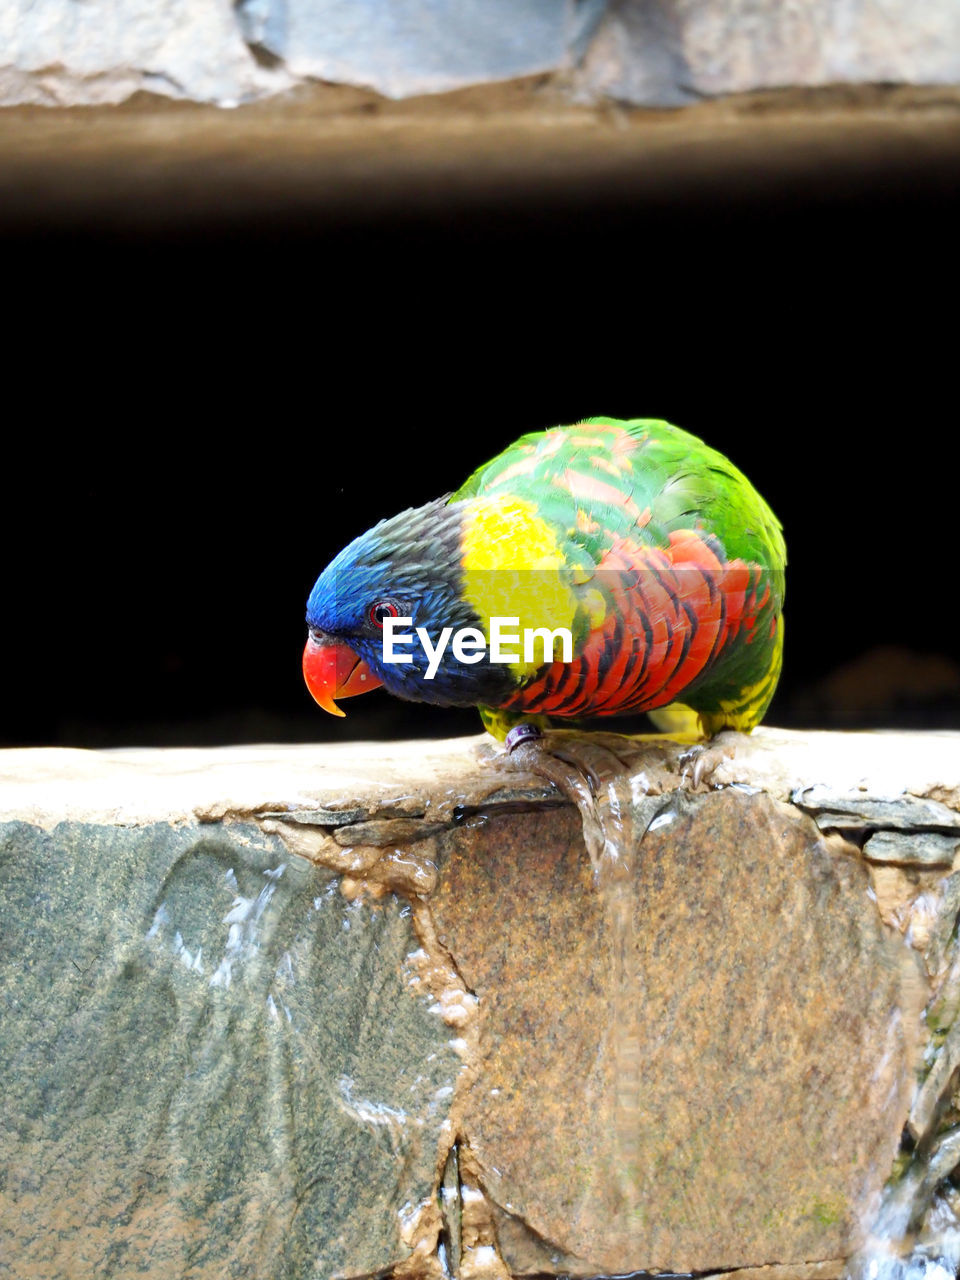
x=212 y=1064
x=305 y=1013
x=772 y=1043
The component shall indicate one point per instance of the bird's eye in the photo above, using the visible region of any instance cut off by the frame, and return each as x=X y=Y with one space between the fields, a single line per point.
x=381 y=609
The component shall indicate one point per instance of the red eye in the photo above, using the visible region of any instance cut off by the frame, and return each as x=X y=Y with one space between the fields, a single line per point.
x=383 y=609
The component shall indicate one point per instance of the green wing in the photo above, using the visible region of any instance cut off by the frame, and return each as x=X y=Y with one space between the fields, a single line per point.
x=682 y=481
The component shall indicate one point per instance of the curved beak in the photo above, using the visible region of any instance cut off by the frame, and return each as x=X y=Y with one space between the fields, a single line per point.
x=332 y=670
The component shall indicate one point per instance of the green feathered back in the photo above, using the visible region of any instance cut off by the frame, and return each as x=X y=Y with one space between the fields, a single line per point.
x=681 y=479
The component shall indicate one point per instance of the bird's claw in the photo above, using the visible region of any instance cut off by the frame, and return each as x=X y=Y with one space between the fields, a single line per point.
x=700 y=762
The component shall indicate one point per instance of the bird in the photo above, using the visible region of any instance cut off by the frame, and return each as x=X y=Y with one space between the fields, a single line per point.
x=642 y=554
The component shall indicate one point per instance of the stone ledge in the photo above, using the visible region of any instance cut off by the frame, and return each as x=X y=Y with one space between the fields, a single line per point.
x=46 y=785
x=306 y=988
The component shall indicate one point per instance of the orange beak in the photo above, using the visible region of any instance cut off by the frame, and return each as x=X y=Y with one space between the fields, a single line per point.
x=332 y=670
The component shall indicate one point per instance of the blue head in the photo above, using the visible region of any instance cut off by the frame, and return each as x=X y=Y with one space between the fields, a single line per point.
x=408 y=566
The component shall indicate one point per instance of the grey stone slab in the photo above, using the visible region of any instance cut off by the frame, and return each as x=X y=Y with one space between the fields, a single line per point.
x=406 y=47
x=212 y=1064
x=853 y=810
x=924 y=848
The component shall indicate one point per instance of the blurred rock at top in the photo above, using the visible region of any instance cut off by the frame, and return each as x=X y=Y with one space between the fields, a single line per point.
x=663 y=53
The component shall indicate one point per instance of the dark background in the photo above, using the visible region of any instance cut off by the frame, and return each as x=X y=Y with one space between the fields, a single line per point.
x=200 y=416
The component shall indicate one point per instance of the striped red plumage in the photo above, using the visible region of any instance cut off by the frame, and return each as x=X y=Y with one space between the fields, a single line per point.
x=670 y=612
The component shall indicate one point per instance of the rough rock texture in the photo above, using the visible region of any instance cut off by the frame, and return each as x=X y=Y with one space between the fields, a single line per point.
x=285 y=1012
x=59 y=53
x=926 y=848
x=675 y=51
x=657 y=54
x=212 y=1065
x=762 y=1120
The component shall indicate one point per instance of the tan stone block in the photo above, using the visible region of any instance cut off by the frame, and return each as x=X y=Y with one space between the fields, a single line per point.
x=773 y=1038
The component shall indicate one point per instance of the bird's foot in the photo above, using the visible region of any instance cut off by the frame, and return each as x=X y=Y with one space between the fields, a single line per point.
x=592 y=775
x=599 y=773
x=521 y=751
x=520 y=733
x=700 y=762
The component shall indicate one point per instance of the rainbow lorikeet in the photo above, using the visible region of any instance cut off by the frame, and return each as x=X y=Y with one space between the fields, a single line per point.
x=654 y=554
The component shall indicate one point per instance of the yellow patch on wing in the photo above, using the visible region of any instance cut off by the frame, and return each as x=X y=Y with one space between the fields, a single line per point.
x=513 y=568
